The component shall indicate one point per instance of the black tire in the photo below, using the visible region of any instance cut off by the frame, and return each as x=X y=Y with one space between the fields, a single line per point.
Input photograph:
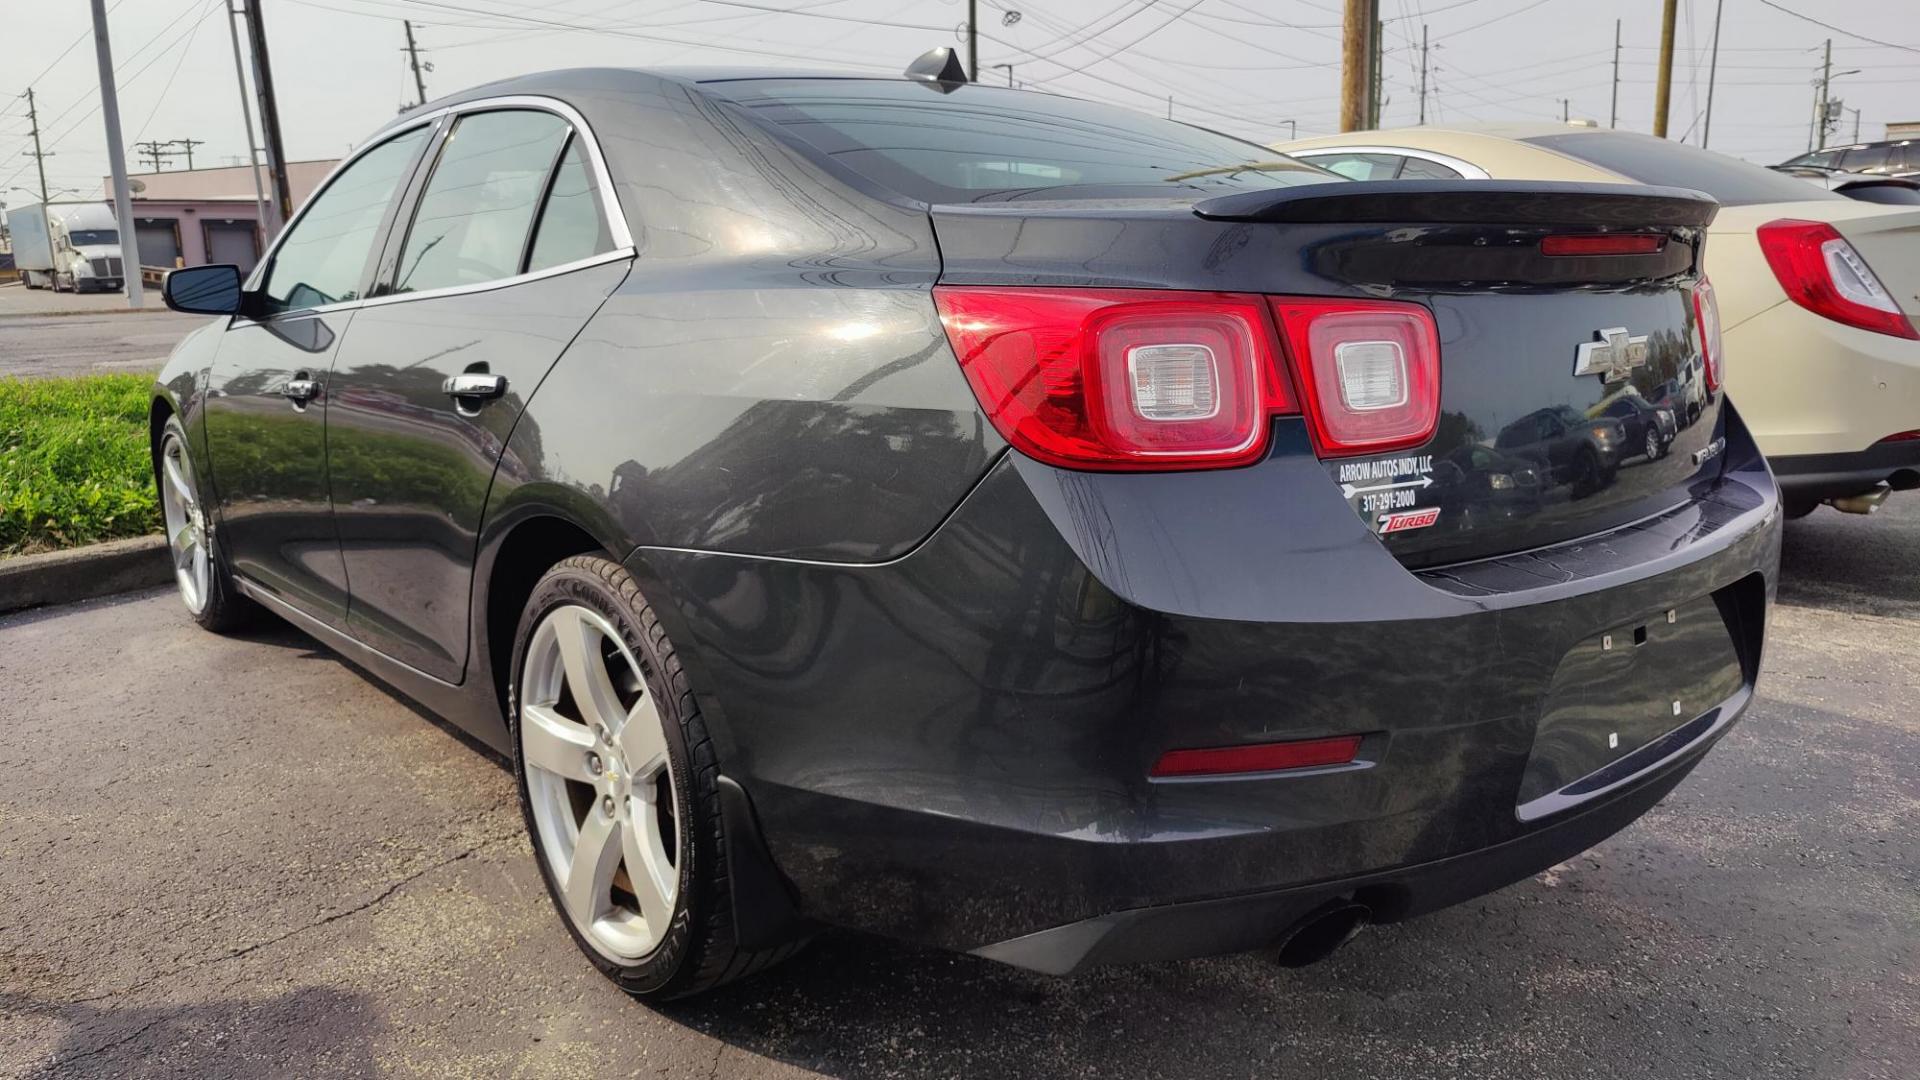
x=698 y=951
x=225 y=609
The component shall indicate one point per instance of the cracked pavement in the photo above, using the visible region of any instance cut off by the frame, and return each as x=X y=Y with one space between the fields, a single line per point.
x=239 y=857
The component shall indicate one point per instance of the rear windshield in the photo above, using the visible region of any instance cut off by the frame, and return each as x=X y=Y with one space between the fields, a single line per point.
x=984 y=143
x=1660 y=161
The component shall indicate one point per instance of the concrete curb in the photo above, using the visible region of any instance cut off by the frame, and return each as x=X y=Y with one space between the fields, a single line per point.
x=62 y=577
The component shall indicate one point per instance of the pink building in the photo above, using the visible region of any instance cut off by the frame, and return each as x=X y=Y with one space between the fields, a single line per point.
x=189 y=217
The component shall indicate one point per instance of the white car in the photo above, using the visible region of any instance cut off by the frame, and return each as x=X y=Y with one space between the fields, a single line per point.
x=1816 y=290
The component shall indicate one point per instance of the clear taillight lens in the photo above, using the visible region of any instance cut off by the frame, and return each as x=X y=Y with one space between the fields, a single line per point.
x=1823 y=273
x=1369 y=371
x=1706 y=315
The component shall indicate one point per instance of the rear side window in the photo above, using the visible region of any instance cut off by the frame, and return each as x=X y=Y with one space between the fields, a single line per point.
x=1360 y=166
x=1870 y=159
x=1420 y=169
x=1648 y=160
x=981 y=142
x=571 y=226
x=477 y=208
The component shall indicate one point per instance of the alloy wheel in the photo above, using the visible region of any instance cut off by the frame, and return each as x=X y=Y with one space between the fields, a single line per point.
x=599 y=784
x=186 y=525
x=1653 y=444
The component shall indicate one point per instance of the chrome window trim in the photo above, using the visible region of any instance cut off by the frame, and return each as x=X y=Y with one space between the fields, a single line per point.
x=1466 y=170
x=610 y=211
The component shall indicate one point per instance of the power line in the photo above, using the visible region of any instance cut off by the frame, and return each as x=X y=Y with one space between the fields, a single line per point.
x=1838 y=30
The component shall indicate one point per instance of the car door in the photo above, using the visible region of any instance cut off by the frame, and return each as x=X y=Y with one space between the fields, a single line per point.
x=266 y=406
x=509 y=247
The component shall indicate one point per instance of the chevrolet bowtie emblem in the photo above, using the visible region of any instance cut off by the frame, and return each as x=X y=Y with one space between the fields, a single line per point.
x=1613 y=357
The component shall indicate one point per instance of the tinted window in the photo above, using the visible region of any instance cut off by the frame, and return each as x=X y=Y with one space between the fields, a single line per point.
x=90 y=237
x=1360 y=166
x=475 y=212
x=983 y=142
x=1823 y=159
x=1418 y=169
x=1872 y=159
x=571 y=226
x=323 y=259
x=1658 y=161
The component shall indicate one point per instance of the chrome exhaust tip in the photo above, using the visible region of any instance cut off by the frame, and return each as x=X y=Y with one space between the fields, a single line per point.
x=1867 y=503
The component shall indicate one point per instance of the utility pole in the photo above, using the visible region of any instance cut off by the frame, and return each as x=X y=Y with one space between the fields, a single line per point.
x=261 y=221
x=1613 y=114
x=413 y=57
x=1713 y=69
x=1663 y=93
x=1856 y=124
x=40 y=162
x=1355 y=28
x=1169 y=106
x=973 y=40
x=270 y=112
x=117 y=160
x=155 y=151
x=1423 y=73
x=188 y=145
x=1379 y=67
x=1564 y=104
x=1820 y=102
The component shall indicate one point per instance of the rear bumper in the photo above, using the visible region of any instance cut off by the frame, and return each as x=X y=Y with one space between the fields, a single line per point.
x=953 y=747
x=1261 y=920
x=1829 y=476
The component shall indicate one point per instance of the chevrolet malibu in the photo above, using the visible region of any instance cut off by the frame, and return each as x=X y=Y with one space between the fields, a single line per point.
x=978 y=517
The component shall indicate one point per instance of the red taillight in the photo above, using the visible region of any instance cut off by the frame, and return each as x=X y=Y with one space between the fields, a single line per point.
x=1706 y=315
x=1369 y=371
x=1120 y=379
x=1821 y=272
x=1602 y=244
x=1904 y=436
x=1259 y=758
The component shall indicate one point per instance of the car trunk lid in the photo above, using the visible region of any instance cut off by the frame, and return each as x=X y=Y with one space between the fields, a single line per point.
x=1533 y=445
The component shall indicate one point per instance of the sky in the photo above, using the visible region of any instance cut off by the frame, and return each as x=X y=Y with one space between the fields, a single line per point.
x=1241 y=66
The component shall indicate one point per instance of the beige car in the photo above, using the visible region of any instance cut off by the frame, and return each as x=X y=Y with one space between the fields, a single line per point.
x=1817 y=291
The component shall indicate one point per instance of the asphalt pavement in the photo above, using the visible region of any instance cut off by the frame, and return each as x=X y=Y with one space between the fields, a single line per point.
x=44 y=333
x=240 y=856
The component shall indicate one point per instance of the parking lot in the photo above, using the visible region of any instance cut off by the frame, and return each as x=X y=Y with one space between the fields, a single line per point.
x=241 y=856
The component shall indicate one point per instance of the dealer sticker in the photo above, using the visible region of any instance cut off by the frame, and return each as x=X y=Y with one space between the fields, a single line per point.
x=1386 y=491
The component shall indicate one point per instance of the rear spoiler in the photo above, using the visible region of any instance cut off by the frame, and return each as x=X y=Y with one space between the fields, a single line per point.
x=1467 y=202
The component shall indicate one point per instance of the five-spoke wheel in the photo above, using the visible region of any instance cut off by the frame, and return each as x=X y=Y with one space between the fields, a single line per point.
x=599 y=785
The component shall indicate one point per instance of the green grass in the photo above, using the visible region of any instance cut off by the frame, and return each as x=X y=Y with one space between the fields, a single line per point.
x=74 y=465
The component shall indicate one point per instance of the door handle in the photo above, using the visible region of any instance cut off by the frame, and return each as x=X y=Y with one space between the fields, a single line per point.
x=471 y=389
x=300 y=389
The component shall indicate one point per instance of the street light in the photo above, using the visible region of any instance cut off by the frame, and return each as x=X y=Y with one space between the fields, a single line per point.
x=1009 y=68
x=1293 y=129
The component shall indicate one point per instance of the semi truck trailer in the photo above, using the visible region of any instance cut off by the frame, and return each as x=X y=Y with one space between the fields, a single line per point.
x=73 y=247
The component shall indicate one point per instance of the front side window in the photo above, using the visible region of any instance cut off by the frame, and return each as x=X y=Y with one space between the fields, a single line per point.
x=477 y=208
x=324 y=258
x=571 y=225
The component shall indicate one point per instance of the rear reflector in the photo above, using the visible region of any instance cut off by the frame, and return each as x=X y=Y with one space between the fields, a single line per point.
x=1258 y=758
x=1821 y=272
x=1603 y=244
x=1369 y=371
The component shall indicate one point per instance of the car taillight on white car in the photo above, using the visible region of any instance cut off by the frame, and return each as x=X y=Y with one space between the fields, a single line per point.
x=1821 y=272
x=1147 y=379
